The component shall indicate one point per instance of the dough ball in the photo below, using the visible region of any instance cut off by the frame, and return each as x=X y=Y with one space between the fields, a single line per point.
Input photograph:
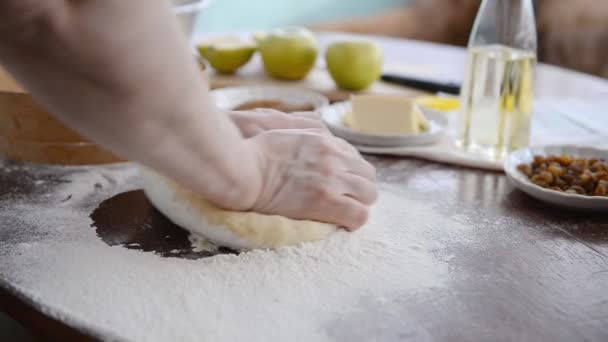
x=239 y=230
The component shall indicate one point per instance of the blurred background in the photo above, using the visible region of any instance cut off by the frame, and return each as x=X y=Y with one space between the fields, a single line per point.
x=226 y=15
x=572 y=34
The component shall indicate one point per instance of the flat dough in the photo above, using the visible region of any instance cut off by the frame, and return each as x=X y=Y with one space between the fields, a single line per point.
x=239 y=230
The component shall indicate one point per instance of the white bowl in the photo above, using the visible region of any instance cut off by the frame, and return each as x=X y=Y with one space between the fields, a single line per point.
x=521 y=181
x=334 y=115
x=232 y=97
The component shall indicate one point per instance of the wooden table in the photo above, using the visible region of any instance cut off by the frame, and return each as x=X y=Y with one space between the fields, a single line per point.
x=521 y=271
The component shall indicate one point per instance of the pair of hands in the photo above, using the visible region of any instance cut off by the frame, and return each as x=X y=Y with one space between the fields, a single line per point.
x=307 y=173
x=139 y=94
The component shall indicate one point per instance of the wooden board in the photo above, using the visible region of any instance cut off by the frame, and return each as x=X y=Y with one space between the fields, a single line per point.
x=29 y=133
x=515 y=268
x=318 y=80
x=8 y=84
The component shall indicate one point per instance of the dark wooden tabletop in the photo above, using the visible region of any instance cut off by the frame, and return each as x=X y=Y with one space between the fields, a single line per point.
x=522 y=271
x=525 y=271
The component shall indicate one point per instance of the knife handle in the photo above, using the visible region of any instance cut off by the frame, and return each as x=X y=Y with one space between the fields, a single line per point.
x=426 y=85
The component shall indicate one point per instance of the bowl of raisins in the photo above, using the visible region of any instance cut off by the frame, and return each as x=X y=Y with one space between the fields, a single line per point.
x=571 y=176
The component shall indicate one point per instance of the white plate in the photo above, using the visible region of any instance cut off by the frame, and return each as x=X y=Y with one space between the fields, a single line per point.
x=333 y=116
x=522 y=182
x=232 y=97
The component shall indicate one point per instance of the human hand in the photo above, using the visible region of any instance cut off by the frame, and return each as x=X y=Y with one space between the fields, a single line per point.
x=254 y=122
x=308 y=174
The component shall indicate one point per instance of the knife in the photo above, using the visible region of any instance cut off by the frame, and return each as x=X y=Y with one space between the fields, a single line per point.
x=421 y=84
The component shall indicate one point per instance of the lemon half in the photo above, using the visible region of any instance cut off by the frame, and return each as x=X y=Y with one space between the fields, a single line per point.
x=227 y=54
x=442 y=104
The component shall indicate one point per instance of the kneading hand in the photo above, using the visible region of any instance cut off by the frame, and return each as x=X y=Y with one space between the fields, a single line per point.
x=141 y=95
x=308 y=174
x=254 y=122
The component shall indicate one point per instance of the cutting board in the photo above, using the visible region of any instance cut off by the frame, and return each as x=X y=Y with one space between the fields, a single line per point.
x=29 y=133
x=318 y=80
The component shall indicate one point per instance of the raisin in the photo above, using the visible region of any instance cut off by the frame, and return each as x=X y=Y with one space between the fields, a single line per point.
x=584 y=176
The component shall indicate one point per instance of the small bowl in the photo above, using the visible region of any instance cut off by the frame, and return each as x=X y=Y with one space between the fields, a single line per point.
x=521 y=181
x=233 y=97
x=334 y=115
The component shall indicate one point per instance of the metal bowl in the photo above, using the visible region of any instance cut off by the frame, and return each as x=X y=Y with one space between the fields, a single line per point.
x=187 y=11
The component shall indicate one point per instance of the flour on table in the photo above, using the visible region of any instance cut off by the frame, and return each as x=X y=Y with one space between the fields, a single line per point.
x=49 y=253
x=201 y=244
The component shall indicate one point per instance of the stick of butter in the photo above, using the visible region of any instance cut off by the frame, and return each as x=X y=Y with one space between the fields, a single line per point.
x=386 y=114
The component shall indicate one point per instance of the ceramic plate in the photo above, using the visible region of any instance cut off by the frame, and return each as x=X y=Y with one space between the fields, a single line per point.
x=232 y=97
x=334 y=115
x=522 y=182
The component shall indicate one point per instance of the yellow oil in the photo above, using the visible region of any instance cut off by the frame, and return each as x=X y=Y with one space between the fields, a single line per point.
x=496 y=101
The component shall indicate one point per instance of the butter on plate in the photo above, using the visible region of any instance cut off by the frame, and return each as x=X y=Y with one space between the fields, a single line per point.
x=385 y=115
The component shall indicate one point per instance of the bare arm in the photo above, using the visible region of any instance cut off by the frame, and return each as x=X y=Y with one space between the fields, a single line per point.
x=153 y=107
x=121 y=73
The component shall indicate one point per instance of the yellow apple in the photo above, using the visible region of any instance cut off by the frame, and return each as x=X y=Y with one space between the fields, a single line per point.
x=354 y=65
x=288 y=54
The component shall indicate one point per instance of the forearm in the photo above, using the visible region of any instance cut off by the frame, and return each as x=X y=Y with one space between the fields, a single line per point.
x=125 y=79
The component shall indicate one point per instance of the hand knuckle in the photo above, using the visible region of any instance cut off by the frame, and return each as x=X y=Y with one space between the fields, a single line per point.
x=326 y=170
x=325 y=149
x=359 y=216
x=322 y=193
x=374 y=196
x=329 y=143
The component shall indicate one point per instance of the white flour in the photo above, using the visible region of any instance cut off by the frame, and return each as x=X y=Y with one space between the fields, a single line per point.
x=50 y=253
x=200 y=244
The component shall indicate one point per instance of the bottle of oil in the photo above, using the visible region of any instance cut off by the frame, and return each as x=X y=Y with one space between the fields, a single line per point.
x=496 y=97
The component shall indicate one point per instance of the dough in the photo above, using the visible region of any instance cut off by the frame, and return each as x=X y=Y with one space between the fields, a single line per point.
x=239 y=230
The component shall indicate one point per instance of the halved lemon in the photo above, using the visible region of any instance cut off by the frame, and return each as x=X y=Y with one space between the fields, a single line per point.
x=443 y=104
x=227 y=54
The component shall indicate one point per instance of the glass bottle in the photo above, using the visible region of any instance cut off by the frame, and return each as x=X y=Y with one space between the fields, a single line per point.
x=496 y=97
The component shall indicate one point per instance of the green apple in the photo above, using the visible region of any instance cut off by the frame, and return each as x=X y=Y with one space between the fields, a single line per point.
x=354 y=65
x=227 y=54
x=288 y=54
